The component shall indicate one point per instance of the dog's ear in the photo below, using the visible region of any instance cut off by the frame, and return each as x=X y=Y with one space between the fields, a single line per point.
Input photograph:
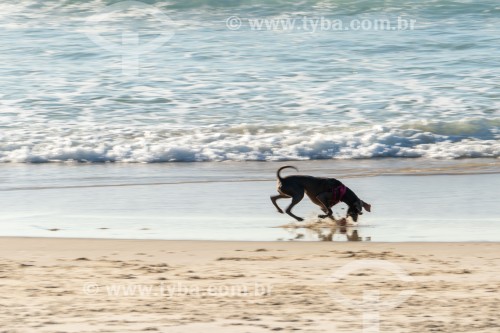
x=367 y=206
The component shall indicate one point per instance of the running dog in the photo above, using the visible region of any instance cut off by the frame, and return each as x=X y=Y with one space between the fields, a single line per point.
x=324 y=192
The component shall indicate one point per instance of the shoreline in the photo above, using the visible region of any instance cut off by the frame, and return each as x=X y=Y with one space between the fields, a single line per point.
x=89 y=202
x=8 y=243
x=239 y=241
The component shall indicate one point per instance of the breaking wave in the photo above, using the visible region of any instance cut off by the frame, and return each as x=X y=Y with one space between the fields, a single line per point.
x=470 y=138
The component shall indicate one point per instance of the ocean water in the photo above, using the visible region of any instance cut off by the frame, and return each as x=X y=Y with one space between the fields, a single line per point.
x=398 y=99
x=212 y=90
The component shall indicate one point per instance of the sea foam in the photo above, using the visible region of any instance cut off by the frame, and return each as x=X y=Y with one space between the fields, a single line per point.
x=251 y=143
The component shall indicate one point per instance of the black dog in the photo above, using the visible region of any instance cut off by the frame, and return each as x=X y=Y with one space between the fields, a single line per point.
x=324 y=192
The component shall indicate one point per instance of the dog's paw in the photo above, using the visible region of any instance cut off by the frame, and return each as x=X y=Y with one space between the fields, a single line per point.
x=322 y=216
x=300 y=219
x=280 y=211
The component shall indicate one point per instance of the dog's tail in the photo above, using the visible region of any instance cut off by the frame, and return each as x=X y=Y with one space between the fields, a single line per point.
x=284 y=167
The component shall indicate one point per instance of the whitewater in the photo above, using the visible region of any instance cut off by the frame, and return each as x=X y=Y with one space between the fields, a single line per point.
x=215 y=93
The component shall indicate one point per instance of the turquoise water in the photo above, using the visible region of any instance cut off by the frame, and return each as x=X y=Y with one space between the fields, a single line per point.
x=210 y=93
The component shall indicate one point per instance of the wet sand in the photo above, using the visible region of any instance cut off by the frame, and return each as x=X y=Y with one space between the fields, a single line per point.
x=412 y=200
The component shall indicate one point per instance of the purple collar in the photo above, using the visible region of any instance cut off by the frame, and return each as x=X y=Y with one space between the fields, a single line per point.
x=338 y=194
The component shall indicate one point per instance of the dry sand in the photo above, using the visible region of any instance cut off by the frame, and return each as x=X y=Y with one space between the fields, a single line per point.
x=79 y=285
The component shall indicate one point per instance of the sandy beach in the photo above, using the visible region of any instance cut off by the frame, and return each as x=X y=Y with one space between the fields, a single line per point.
x=139 y=149
x=84 y=285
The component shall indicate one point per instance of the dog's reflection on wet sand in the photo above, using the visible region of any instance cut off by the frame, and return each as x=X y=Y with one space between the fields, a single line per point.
x=351 y=236
x=323 y=232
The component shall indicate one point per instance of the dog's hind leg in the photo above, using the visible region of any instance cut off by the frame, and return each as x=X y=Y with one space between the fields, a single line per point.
x=276 y=197
x=296 y=197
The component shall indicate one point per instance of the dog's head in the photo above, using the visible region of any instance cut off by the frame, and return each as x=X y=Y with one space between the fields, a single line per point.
x=355 y=210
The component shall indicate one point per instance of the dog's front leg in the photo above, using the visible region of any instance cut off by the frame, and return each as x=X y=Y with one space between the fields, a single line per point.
x=323 y=199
